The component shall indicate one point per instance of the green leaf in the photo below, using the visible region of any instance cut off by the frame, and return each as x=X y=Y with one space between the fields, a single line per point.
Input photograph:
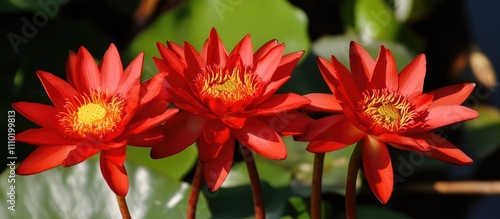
x=81 y=192
x=233 y=19
x=373 y=19
x=272 y=174
x=481 y=134
x=176 y=166
x=237 y=202
x=298 y=207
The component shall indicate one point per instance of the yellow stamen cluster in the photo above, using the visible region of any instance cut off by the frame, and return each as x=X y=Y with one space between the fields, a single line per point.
x=95 y=114
x=229 y=86
x=387 y=109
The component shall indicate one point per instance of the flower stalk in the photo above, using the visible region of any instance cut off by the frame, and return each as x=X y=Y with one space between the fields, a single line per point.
x=258 y=200
x=316 y=185
x=352 y=175
x=195 y=191
x=122 y=204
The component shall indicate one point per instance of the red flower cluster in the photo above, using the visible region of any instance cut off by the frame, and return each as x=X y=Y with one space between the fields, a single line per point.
x=227 y=97
x=100 y=109
x=224 y=97
x=381 y=107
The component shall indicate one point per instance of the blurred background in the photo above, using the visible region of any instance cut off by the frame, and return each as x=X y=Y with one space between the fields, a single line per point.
x=459 y=39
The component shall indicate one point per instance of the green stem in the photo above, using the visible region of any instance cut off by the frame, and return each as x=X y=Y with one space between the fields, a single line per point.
x=352 y=175
x=122 y=204
x=195 y=191
x=316 y=185
x=258 y=200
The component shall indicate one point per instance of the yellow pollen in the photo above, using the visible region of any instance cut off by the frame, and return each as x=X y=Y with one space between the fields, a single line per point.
x=96 y=114
x=229 y=86
x=91 y=112
x=387 y=109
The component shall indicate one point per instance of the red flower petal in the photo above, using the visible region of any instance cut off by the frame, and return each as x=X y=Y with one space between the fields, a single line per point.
x=409 y=142
x=88 y=76
x=245 y=50
x=180 y=131
x=323 y=103
x=271 y=88
x=215 y=132
x=44 y=158
x=57 y=89
x=194 y=61
x=452 y=95
x=362 y=65
x=287 y=123
x=287 y=64
x=266 y=66
x=216 y=52
x=215 y=171
x=276 y=104
x=233 y=121
x=422 y=101
x=41 y=114
x=345 y=83
x=111 y=70
x=78 y=155
x=131 y=75
x=176 y=48
x=378 y=168
x=319 y=126
x=170 y=60
x=264 y=49
x=444 y=115
x=411 y=78
x=146 y=138
x=114 y=171
x=385 y=74
x=70 y=68
x=150 y=122
x=43 y=136
x=443 y=150
x=335 y=137
x=260 y=138
x=210 y=146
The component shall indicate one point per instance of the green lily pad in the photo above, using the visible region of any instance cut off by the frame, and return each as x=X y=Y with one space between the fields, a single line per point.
x=373 y=19
x=191 y=21
x=81 y=192
x=176 y=166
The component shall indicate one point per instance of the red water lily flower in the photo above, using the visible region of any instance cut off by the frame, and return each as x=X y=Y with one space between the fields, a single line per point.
x=101 y=108
x=381 y=107
x=224 y=97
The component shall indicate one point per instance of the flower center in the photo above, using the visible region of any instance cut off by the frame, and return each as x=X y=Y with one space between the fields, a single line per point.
x=387 y=109
x=228 y=86
x=95 y=114
x=91 y=113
